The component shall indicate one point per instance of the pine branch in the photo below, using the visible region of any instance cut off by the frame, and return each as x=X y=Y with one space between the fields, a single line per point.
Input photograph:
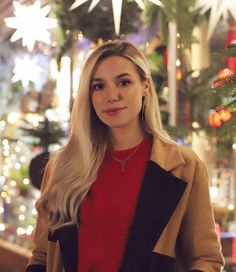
x=226 y=88
x=174 y=10
x=47 y=132
x=231 y=50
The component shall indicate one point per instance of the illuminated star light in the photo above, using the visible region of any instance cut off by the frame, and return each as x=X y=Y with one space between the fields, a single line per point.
x=218 y=9
x=116 y=6
x=31 y=24
x=26 y=70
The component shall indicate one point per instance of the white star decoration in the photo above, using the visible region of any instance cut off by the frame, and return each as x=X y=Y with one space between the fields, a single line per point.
x=218 y=9
x=31 y=24
x=116 y=6
x=26 y=70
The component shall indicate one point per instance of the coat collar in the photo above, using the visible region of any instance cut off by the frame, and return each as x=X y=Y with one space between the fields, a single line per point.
x=160 y=194
x=166 y=155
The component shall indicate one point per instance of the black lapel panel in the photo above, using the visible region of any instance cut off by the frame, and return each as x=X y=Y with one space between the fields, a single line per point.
x=68 y=240
x=159 y=262
x=160 y=193
x=36 y=267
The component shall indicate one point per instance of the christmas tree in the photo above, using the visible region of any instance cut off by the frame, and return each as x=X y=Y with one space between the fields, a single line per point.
x=226 y=86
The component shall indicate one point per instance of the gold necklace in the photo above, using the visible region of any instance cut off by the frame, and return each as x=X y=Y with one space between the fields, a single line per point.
x=122 y=162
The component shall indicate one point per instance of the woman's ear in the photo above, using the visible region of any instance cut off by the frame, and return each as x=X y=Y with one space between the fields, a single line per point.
x=146 y=86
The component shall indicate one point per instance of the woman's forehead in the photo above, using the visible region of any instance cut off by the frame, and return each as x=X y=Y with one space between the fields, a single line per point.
x=114 y=65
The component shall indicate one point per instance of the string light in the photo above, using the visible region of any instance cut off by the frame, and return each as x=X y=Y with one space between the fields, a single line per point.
x=17 y=212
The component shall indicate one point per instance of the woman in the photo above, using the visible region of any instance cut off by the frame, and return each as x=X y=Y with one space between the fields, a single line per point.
x=121 y=195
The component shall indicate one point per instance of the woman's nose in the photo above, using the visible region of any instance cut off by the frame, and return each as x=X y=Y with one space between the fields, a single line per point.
x=112 y=94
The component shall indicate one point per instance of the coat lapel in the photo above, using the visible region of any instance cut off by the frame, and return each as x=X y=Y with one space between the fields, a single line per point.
x=68 y=241
x=159 y=196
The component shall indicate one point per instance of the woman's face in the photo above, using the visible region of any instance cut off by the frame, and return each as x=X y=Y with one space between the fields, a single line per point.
x=117 y=91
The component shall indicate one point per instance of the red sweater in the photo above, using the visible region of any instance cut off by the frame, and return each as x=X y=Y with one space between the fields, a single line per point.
x=107 y=211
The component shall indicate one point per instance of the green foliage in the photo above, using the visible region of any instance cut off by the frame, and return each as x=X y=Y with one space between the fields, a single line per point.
x=226 y=87
x=158 y=71
x=48 y=132
x=98 y=24
x=178 y=11
x=178 y=132
x=194 y=89
x=19 y=175
x=231 y=51
x=184 y=19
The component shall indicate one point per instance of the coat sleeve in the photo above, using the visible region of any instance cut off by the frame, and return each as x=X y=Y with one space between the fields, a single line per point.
x=37 y=261
x=200 y=244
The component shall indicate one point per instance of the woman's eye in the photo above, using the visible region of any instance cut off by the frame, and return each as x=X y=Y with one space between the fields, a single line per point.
x=97 y=86
x=124 y=83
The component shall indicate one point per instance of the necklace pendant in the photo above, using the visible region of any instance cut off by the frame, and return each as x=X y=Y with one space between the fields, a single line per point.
x=122 y=162
x=123 y=165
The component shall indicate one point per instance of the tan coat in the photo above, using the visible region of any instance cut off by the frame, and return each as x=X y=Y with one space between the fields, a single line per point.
x=173 y=227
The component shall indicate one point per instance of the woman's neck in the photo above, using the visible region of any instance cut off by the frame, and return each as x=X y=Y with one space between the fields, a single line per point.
x=122 y=139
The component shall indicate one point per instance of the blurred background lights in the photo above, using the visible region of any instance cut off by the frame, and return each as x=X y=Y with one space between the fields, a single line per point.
x=26 y=181
x=21 y=217
x=17 y=149
x=29 y=230
x=2 y=179
x=17 y=165
x=12 y=183
x=195 y=125
x=230 y=207
x=2 y=227
x=22 y=159
x=22 y=208
x=20 y=231
x=13 y=117
x=34 y=211
x=213 y=192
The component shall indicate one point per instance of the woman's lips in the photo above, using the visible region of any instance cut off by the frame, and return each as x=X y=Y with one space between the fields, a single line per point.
x=114 y=111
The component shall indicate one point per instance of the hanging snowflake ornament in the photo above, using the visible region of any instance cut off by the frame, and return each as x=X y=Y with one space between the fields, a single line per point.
x=31 y=24
x=116 y=7
x=26 y=69
x=218 y=9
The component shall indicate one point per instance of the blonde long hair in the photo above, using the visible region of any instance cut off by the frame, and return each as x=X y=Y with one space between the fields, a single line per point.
x=72 y=170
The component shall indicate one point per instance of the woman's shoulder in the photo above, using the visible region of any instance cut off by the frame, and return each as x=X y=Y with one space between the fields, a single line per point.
x=169 y=155
x=174 y=151
x=190 y=157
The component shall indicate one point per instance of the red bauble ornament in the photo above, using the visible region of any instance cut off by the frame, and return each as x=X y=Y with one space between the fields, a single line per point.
x=214 y=119
x=224 y=114
x=225 y=72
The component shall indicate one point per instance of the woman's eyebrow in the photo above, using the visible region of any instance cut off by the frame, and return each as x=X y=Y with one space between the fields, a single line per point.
x=98 y=79
x=122 y=75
